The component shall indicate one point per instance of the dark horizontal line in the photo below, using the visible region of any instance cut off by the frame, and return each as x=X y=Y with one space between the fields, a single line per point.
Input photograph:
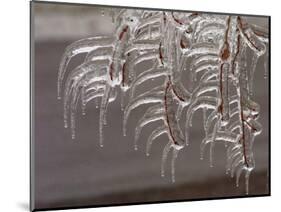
x=145 y=8
x=152 y=202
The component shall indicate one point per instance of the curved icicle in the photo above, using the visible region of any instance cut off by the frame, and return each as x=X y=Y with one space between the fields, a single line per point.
x=147 y=75
x=213 y=139
x=103 y=108
x=156 y=133
x=147 y=99
x=80 y=46
x=212 y=117
x=247 y=177
x=200 y=102
x=174 y=157
x=152 y=115
x=76 y=76
x=237 y=162
x=165 y=153
x=238 y=174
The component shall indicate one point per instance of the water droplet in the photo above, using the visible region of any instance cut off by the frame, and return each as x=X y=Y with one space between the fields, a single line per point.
x=237 y=184
x=136 y=147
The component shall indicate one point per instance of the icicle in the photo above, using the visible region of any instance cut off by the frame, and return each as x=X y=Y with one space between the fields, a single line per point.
x=220 y=136
x=164 y=158
x=141 y=100
x=147 y=75
x=80 y=46
x=94 y=96
x=212 y=117
x=146 y=120
x=122 y=104
x=232 y=148
x=247 y=177
x=237 y=162
x=207 y=102
x=73 y=106
x=156 y=133
x=179 y=111
x=93 y=68
x=212 y=145
x=205 y=119
x=174 y=157
x=238 y=174
x=103 y=108
x=265 y=64
x=231 y=159
x=252 y=72
x=200 y=102
x=83 y=100
x=72 y=120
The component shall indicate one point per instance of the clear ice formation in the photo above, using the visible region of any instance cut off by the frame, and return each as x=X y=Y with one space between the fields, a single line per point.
x=211 y=49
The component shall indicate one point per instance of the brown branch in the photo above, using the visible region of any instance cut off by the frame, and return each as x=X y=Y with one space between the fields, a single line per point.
x=243 y=133
x=111 y=71
x=176 y=19
x=166 y=111
x=160 y=53
x=122 y=33
x=177 y=95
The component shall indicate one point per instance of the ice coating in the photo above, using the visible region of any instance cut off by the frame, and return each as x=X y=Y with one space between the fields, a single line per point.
x=211 y=49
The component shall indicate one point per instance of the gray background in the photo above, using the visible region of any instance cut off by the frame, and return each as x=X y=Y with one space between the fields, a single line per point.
x=78 y=172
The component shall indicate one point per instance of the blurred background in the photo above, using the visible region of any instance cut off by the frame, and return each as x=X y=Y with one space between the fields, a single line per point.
x=70 y=173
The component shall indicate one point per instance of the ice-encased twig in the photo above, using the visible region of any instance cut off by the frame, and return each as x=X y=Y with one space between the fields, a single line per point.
x=173 y=44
